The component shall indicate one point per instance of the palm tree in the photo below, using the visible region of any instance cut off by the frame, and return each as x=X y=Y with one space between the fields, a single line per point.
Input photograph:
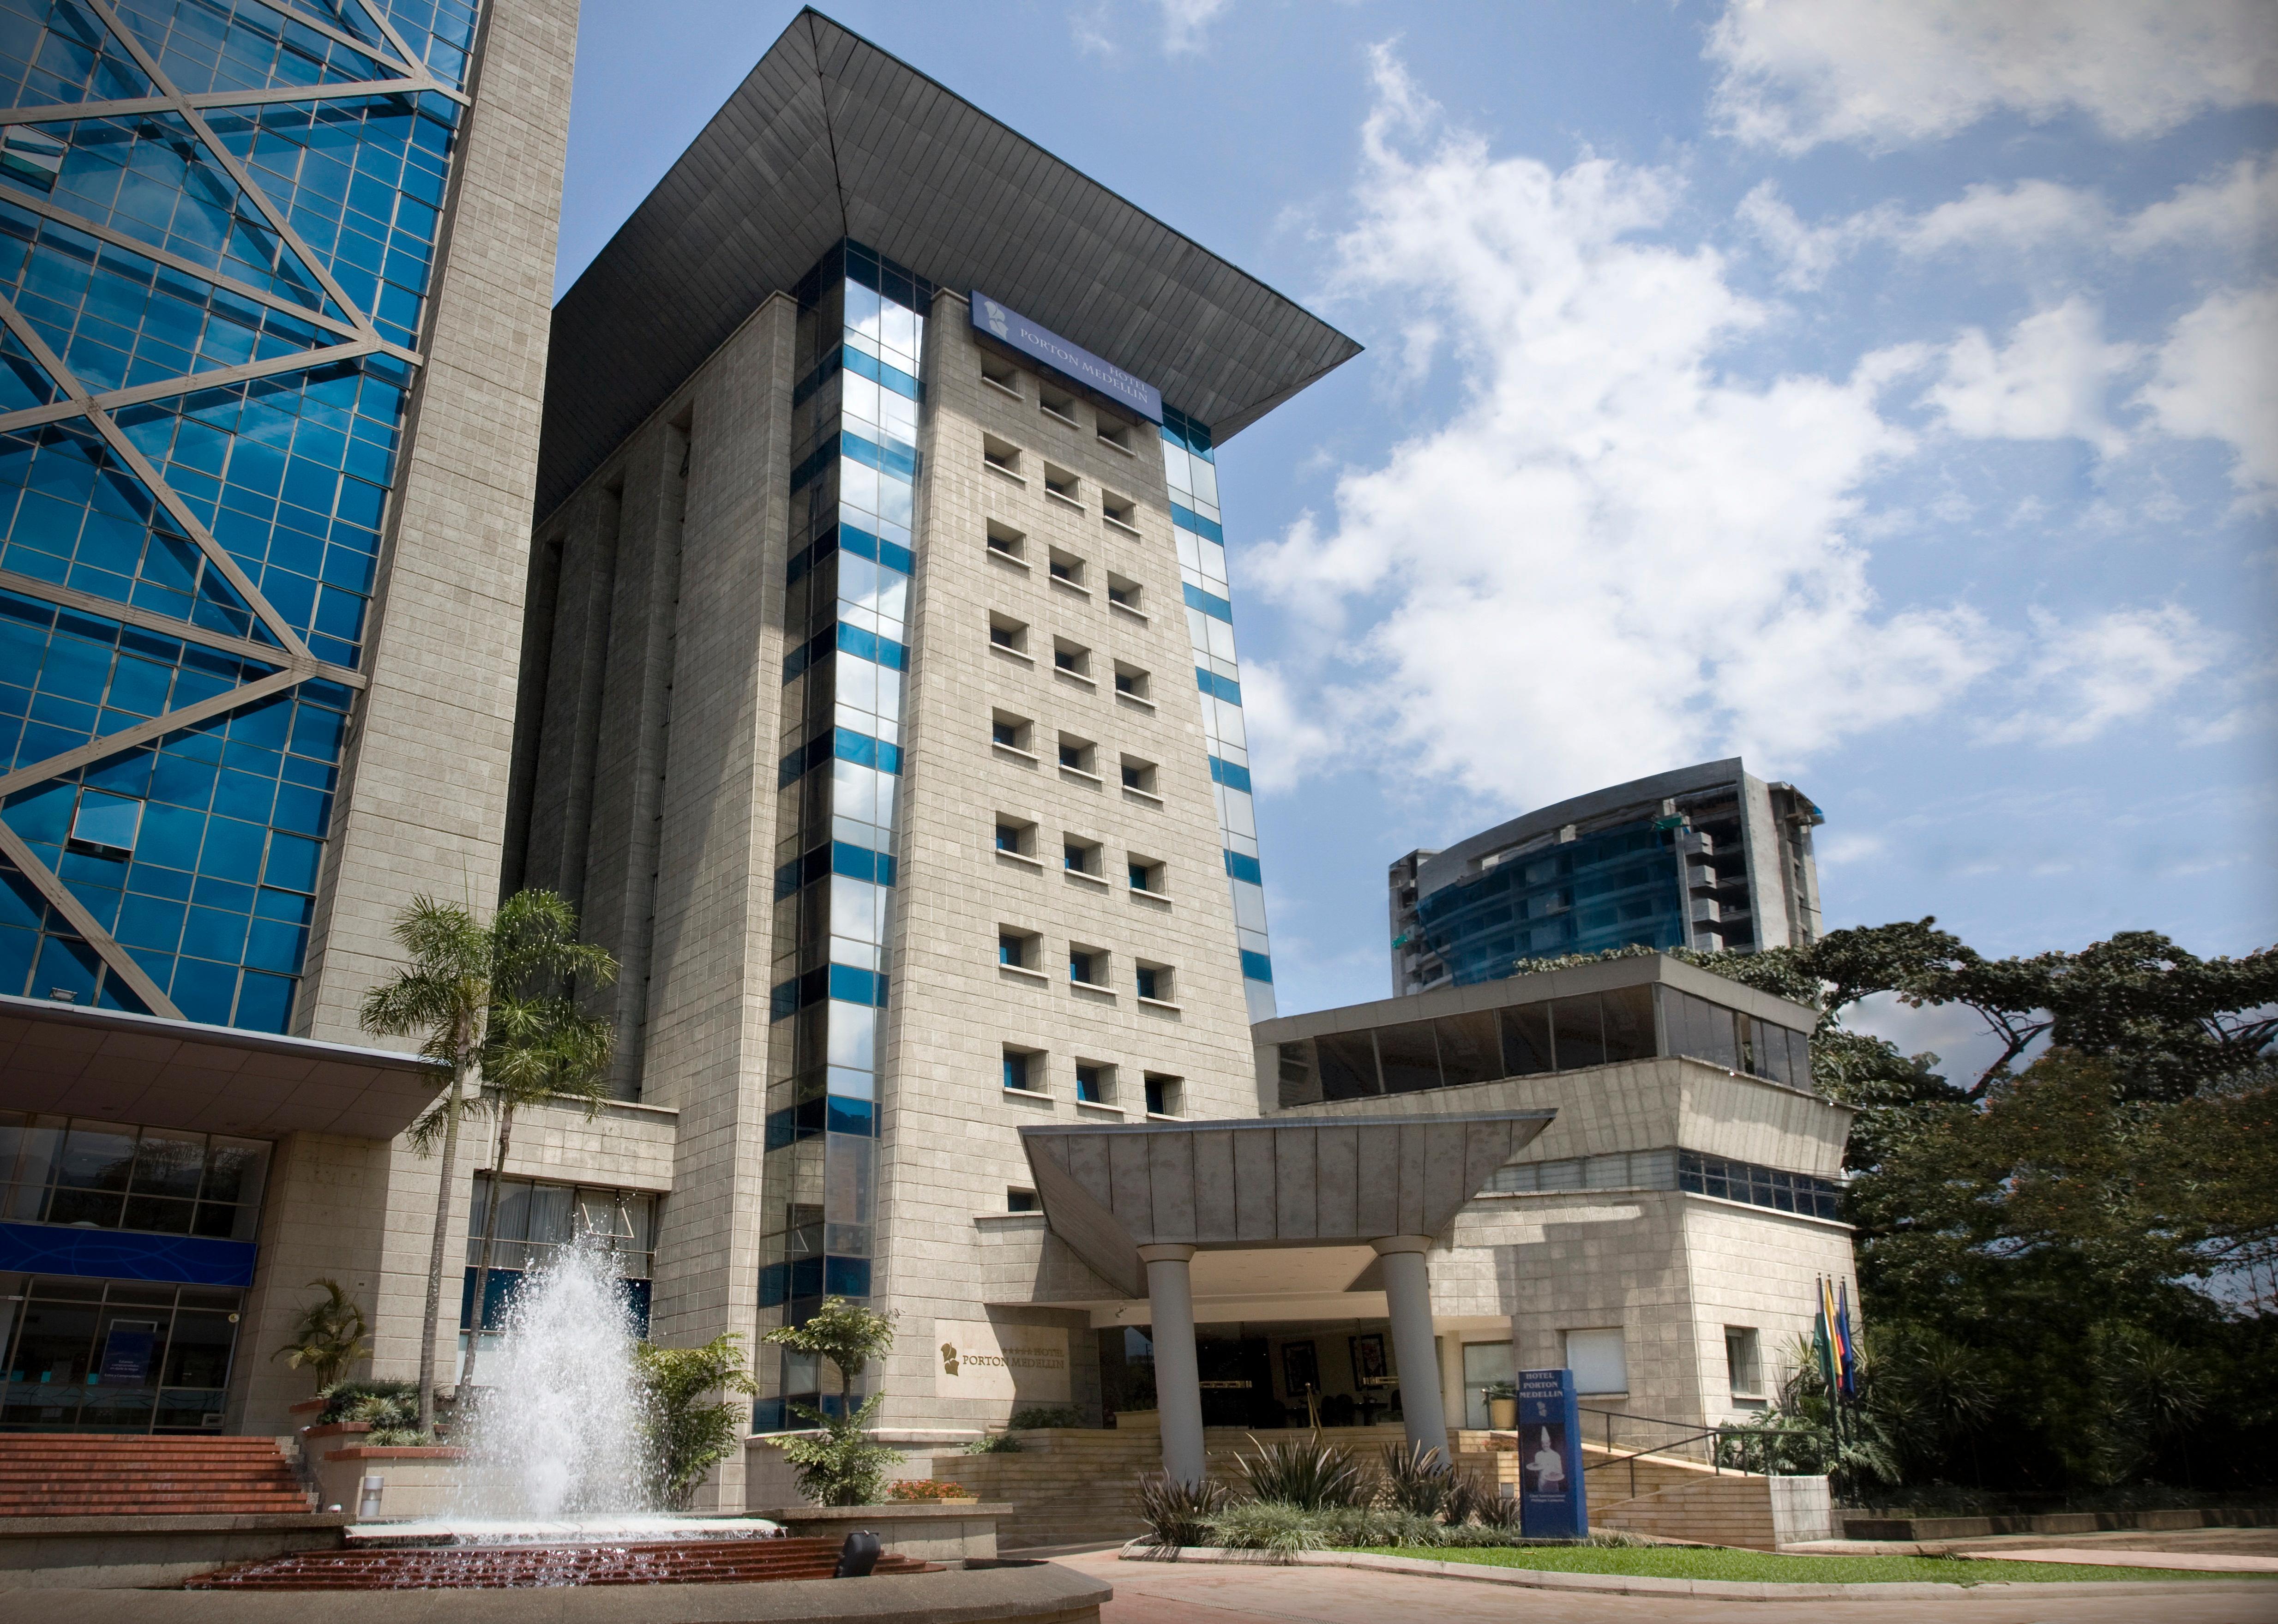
x=490 y=998
x=328 y=1338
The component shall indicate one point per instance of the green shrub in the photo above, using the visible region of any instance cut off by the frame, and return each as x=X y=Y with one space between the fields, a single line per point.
x=688 y=1436
x=994 y=1444
x=1178 y=1514
x=1267 y=1525
x=377 y=1404
x=842 y=1467
x=1304 y=1473
x=1416 y=1479
x=1037 y=1417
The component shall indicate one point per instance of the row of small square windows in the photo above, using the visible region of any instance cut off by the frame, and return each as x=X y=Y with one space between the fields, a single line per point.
x=1078 y=855
x=1057 y=406
x=1088 y=967
x=1026 y=1072
x=1064 y=568
x=1074 y=753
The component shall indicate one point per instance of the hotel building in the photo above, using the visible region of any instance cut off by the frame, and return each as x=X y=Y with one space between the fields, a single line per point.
x=862 y=669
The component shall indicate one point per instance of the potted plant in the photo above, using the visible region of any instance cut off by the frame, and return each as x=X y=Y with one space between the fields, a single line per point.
x=1503 y=1406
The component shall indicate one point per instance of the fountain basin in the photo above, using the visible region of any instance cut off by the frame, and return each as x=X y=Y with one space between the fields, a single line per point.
x=641 y=1528
x=523 y=1566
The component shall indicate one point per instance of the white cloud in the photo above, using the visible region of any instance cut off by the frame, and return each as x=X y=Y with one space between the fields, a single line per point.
x=1611 y=559
x=2232 y=212
x=2218 y=379
x=2116 y=668
x=1798 y=73
x=2049 y=381
x=2235 y=210
x=1185 y=22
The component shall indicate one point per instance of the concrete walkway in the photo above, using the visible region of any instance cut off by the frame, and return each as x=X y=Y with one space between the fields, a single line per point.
x=1179 y=1593
x=2185 y=1562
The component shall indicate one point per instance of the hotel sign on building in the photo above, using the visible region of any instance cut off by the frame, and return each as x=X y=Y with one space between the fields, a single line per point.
x=1017 y=333
x=1028 y=1363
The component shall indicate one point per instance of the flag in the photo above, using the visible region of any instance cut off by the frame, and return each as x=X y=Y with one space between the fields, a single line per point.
x=1850 y=1334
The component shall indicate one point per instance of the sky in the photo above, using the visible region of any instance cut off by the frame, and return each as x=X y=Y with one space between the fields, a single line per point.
x=1887 y=394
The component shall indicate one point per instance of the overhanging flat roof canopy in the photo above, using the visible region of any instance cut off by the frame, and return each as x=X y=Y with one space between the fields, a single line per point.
x=122 y=1068
x=1298 y=1182
x=831 y=137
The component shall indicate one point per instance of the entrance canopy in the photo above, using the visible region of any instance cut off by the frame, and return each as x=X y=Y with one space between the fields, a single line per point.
x=107 y=1063
x=1283 y=1182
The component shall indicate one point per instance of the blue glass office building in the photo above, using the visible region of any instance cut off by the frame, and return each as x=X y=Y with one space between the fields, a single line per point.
x=1706 y=857
x=213 y=302
x=242 y=598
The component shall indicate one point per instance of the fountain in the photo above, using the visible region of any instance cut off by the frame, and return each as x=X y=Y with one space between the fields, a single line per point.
x=555 y=1485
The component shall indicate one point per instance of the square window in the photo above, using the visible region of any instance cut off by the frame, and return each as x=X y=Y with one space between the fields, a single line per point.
x=1017 y=1200
x=1007 y=633
x=1067 y=569
x=1130 y=681
x=1147 y=875
x=1016 y=836
x=1078 y=754
x=1744 y=1364
x=1163 y=1094
x=1020 y=1066
x=104 y=822
x=1063 y=486
x=1138 y=774
x=1123 y=594
x=1001 y=455
x=1115 y=431
x=1094 y=1084
x=1118 y=509
x=1008 y=543
x=1015 y=949
x=996 y=370
x=1086 y=966
x=1010 y=732
x=1072 y=659
x=1080 y=855
x=1057 y=404
x=1154 y=982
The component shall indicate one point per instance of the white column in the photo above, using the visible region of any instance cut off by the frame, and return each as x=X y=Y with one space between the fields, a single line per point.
x=1178 y=1380
x=1408 y=1299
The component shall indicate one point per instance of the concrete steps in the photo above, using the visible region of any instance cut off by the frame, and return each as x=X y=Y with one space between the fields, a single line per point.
x=103 y=1475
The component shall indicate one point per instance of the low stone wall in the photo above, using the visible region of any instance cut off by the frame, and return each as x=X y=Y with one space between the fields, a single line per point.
x=114 y=1554
x=939 y=1533
x=418 y=1482
x=1760 y=1514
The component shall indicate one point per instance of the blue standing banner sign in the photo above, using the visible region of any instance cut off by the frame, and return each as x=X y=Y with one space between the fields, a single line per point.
x=1554 y=1503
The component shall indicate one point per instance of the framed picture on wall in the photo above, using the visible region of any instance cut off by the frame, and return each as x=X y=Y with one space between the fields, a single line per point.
x=1301 y=1370
x=1369 y=1368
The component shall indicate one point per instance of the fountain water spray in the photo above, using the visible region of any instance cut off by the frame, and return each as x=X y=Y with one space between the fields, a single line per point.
x=560 y=1428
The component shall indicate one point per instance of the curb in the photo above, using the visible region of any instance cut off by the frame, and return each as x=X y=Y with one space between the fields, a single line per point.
x=1727 y=1590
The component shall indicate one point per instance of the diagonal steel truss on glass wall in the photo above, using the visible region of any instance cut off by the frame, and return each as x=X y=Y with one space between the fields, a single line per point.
x=290 y=658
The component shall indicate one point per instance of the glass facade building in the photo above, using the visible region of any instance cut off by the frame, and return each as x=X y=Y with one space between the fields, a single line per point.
x=1706 y=857
x=214 y=294
x=854 y=468
x=1191 y=471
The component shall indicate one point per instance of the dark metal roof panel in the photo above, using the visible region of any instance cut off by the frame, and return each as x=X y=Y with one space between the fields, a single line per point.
x=830 y=136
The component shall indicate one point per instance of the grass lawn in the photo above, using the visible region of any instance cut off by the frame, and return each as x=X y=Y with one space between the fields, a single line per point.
x=1764 y=1567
